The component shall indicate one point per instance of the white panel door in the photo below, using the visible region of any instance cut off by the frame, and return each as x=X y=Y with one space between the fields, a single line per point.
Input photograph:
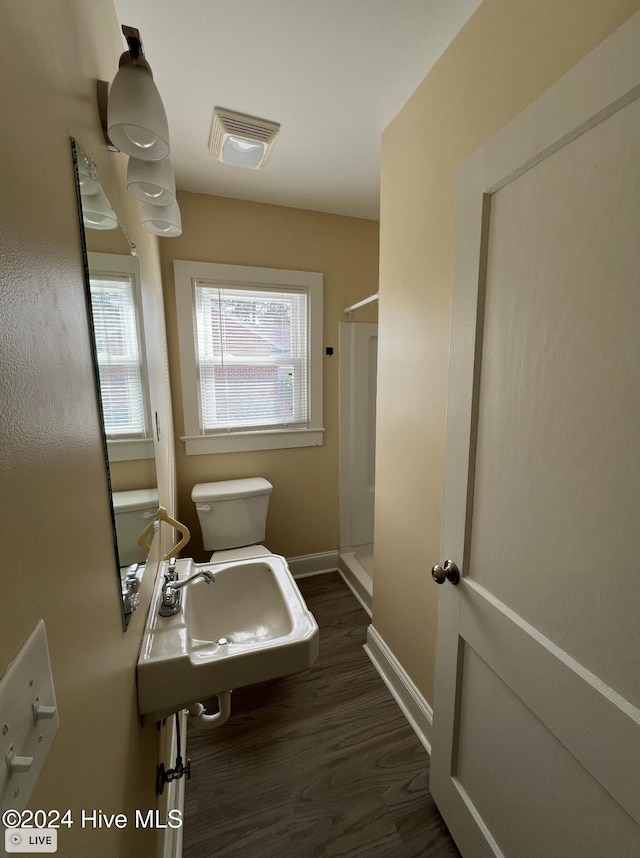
x=536 y=748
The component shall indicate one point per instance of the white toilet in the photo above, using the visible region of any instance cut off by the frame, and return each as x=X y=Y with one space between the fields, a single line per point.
x=233 y=517
x=133 y=511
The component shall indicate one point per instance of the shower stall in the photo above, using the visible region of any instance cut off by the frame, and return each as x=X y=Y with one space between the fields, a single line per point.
x=358 y=354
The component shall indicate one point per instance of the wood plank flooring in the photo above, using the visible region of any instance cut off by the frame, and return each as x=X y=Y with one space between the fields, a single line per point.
x=318 y=764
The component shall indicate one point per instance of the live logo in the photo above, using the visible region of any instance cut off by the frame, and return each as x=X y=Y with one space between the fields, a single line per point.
x=40 y=840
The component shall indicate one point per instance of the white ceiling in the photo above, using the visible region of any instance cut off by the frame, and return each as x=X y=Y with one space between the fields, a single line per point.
x=333 y=73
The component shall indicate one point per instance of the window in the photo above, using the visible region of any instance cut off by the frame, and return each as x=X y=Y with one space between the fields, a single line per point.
x=251 y=356
x=119 y=353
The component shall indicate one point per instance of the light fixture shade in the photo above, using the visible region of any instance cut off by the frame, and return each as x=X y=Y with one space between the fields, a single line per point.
x=162 y=220
x=86 y=176
x=97 y=212
x=151 y=181
x=136 y=119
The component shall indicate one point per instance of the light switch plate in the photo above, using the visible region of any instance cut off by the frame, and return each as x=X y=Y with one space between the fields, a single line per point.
x=28 y=720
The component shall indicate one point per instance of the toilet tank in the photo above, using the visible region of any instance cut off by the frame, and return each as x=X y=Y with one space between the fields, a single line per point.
x=232 y=513
x=133 y=511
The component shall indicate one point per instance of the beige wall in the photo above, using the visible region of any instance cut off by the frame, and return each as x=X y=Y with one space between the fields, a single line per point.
x=508 y=53
x=136 y=474
x=303 y=512
x=57 y=555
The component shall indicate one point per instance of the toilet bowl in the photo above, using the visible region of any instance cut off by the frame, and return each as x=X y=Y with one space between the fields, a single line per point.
x=233 y=517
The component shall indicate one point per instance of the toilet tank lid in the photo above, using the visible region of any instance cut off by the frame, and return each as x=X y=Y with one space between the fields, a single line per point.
x=227 y=489
x=135 y=499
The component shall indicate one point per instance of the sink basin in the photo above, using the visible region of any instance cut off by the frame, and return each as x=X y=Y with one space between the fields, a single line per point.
x=251 y=625
x=245 y=606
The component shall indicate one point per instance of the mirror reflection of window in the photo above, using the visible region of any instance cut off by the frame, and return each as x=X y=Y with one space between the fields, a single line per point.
x=119 y=353
x=116 y=306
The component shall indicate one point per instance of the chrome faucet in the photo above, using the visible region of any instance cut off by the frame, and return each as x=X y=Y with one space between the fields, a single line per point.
x=171 y=591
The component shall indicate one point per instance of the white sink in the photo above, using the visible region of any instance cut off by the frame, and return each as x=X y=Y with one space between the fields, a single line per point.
x=251 y=625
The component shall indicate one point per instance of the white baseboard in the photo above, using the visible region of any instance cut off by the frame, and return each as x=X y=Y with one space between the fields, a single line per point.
x=413 y=705
x=357 y=580
x=313 y=564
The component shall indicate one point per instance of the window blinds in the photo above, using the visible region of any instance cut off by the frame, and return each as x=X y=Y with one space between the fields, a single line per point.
x=252 y=357
x=119 y=356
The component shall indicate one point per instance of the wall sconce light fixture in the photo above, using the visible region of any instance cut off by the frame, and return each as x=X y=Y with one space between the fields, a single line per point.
x=136 y=119
x=134 y=122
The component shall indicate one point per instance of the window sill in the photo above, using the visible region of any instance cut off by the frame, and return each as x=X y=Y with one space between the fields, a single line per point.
x=242 y=442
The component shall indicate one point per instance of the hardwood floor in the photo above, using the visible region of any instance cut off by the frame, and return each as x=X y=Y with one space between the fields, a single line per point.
x=322 y=763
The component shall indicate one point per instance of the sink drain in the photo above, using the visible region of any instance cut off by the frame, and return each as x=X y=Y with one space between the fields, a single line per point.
x=223 y=641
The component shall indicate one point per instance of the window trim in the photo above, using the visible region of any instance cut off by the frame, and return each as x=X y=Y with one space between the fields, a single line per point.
x=197 y=443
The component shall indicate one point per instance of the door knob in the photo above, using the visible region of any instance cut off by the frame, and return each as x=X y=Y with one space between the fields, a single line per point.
x=448 y=572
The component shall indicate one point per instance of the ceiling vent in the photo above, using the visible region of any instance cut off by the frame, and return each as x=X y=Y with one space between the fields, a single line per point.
x=244 y=141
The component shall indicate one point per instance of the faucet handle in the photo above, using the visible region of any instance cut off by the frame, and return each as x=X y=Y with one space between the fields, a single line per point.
x=172 y=573
x=169 y=596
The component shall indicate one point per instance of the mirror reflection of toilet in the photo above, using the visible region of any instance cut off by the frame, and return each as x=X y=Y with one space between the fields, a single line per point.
x=233 y=517
x=133 y=510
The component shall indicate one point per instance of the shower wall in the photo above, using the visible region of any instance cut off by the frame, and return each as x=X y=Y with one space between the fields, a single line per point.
x=358 y=355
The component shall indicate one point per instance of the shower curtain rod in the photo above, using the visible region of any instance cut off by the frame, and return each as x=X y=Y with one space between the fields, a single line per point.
x=362 y=303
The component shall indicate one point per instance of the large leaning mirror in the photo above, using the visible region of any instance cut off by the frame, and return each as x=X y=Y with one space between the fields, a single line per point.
x=115 y=319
